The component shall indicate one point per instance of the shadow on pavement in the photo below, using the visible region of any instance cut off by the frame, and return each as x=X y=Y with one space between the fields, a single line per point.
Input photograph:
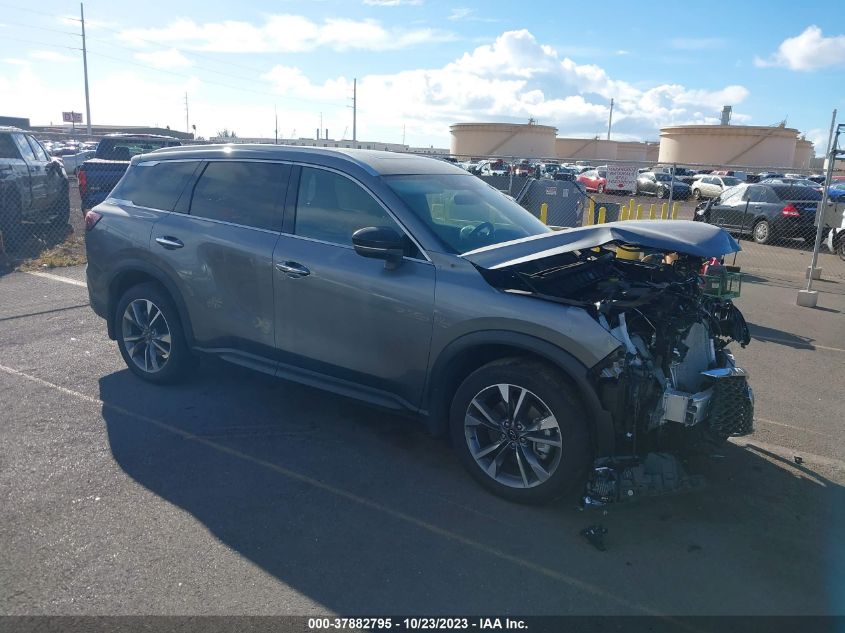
x=364 y=513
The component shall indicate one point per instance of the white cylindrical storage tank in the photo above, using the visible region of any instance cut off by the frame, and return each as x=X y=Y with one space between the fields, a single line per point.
x=742 y=145
x=585 y=149
x=804 y=153
x=521 y=140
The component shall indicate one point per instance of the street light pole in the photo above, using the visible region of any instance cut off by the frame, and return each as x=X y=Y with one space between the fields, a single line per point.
x=85 y=69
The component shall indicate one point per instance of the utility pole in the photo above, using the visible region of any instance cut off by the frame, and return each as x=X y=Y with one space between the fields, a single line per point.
x=355 y=110
x=187 y=119
x=610 y=120
x=85 y=69
x=403 y=134
x=276 y=113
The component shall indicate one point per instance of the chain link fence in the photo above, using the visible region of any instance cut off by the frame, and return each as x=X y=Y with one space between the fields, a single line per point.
x=772 y=212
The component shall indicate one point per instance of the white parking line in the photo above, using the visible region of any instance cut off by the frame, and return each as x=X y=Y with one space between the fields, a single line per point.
x=67 y=280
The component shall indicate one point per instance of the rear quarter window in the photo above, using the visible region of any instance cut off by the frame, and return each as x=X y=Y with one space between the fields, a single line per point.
x=797 y=192
x=156 y=185
x=242 y=192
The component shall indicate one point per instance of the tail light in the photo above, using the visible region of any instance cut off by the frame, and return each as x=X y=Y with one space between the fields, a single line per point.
x=790 y=211
x=82 y=180
x=91 y=219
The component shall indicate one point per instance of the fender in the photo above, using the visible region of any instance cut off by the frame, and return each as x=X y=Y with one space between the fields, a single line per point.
x=602 y=431
x=142 y=266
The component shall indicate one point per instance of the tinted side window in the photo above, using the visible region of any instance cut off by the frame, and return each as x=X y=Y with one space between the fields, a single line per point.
x=731 y=196
x=331 y=207
x=40 y=154
x=7 y=147
x=242 y=193
x=23 y=146
x=155 y=185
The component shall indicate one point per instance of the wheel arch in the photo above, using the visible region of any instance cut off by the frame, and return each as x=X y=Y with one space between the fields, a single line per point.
x=138 y=272
x=469 y=352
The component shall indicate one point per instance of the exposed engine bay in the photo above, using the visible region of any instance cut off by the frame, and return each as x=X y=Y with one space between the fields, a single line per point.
x=672 y=387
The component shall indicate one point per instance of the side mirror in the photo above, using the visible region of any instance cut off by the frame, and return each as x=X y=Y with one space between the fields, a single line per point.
x=380 y=242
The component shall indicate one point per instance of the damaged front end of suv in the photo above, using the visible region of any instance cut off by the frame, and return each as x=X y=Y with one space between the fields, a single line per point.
x=672 y=386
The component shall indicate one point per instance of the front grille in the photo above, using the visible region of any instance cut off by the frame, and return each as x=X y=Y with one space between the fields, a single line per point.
x=731 y=407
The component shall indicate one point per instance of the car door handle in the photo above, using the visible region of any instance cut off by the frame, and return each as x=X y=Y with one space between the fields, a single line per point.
x=169 y=242
x=293 y=269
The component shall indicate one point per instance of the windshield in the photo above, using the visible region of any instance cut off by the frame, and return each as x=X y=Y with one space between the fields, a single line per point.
x=663 y=177
x=464 y=212
x=730 y=181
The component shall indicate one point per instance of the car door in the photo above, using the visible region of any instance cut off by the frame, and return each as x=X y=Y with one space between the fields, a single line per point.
x=646 y=183
x=349 y=319
x=753 y=205
x=54 y=182
x=14 y=172
x=37 y=174
x=218 y=245
x=723 y=210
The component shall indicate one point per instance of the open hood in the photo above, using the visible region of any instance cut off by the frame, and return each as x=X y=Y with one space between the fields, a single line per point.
x=681 y=236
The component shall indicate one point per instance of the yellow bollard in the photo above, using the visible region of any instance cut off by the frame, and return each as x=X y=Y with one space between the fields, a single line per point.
x=591 y=212
x=544 y=213
x=602 y=215
x=675 y=207
x=652 y=211
x=632 y=207
x=623 y=213
x=639 y=212
x=664 y=211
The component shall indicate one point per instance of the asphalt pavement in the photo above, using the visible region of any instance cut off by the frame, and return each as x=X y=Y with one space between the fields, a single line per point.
x=236 y=493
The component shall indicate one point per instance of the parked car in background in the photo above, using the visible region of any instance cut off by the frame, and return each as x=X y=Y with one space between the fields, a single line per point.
x=764 y=175
x=97 y=176
x=72 y=162
x=787 y=180
x=33 y=186
x=764 y=211
x=593 y=180
x=493 y=168
x=660 y=184
x=743 y=176
x=407 y=283
x=707 y=186
x=523 y=169
x=683 y=174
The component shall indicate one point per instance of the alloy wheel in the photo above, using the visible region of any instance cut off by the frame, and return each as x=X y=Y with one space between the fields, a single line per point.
x=761 y=232
x=146 y=335
x=513 y=436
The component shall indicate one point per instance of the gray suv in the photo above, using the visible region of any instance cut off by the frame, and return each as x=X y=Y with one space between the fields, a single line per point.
x=552 y=358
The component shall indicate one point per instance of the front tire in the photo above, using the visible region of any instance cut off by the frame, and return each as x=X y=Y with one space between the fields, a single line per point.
x=661 y=192
x=600 y=189
x=520 y=430
x=696 y=193
x=150 y=336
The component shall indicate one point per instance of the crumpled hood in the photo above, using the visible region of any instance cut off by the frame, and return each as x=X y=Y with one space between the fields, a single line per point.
x=682 y=236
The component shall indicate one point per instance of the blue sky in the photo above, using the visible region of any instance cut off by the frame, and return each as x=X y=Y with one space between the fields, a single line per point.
x=423 y=64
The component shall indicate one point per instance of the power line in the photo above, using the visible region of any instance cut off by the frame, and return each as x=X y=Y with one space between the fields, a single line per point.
x=40 y=28
x=28 y=10
x=19 y=39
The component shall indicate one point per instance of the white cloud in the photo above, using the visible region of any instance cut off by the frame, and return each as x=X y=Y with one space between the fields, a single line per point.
x=513 y=79
x=14 y=61
x=284 y=34
x=809 y=50
x=51 y=56
x=164 y=59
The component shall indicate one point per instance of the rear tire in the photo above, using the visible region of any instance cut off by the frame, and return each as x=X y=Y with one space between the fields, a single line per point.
x=839 y=248
x=534 y=446
x=762 y=232
x=150 y=336
x=661 y=192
